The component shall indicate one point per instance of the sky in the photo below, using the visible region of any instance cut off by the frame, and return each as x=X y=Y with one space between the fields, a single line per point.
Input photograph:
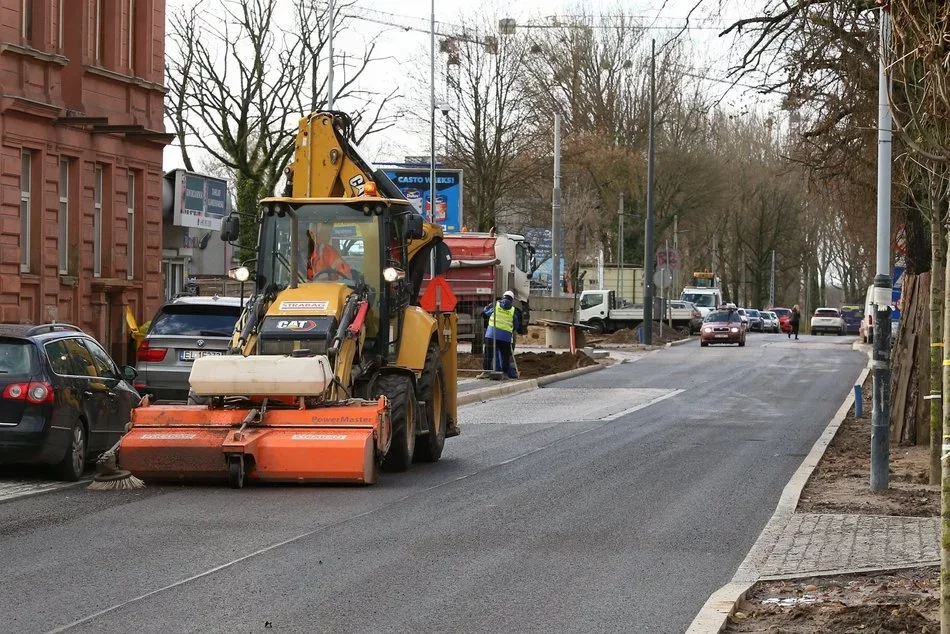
x=401 y=27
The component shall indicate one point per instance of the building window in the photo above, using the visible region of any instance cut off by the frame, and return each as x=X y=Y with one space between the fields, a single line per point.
x=27 y=21
x=130 y=249
x=63 y=219
x=132 y=37
x=26 y=174
x=97 y=225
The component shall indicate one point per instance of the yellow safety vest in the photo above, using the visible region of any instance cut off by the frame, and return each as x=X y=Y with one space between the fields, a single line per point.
x=502 y=319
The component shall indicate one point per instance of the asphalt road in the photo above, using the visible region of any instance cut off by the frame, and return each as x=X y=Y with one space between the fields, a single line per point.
x=613 y=502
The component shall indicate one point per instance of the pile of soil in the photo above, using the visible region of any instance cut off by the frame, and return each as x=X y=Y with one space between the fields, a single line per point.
x=629 y=335
x=839 y=483
x=882 y=603
x=532 y=365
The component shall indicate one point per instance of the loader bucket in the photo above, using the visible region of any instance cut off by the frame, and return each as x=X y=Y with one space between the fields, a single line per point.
x=338 y=443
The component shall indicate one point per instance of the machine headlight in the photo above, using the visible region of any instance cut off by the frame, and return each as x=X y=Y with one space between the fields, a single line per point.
x=734 y=329
x=241 y=274
x=391 y=274
x=707 y=330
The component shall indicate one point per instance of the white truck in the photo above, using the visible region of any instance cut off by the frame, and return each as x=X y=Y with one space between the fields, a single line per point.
x=600 y=310
x=705 y=299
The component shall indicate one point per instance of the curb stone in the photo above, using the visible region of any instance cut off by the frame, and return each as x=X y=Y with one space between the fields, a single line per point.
x=715 y=613
x=681 y=342
x=517 y=387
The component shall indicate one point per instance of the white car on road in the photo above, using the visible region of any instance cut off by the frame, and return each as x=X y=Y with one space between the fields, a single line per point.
x=827 y=320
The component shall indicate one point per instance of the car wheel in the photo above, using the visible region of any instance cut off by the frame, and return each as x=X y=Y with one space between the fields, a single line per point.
x=703 y=344
x=597 y=327
x=812 y=333
x=741 y=343
x=74 y=462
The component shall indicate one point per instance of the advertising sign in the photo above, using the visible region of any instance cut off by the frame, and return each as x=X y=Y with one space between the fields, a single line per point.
x=200 y=201
x=667 y=259
x=413 y=182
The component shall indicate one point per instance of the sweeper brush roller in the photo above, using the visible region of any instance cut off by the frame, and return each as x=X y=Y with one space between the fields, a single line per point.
x=342 y=442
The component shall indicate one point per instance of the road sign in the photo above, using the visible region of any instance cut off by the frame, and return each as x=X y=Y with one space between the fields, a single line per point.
x=199 y=201
x=663 y=278
x=667 y=258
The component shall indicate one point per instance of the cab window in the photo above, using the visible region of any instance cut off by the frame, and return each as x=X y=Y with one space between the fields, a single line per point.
x=592 y=300
x=521 y=257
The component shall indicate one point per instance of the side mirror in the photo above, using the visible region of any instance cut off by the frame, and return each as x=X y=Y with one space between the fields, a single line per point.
x=414 y=227
x=230 y=228
x=129 y=373
x=443 y=258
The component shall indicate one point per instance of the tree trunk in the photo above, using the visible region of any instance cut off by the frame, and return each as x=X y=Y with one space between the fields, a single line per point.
x=945 y=467
x=936 y=343
x=248 y=193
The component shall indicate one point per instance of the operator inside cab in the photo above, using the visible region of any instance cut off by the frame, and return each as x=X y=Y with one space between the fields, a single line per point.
x=324 y=262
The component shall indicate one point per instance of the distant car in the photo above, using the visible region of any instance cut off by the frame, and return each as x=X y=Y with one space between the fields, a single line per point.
x=852 y=316
x=755 y=320
x=827 y=320
x=766 y=317
x=722 y=326
x=697 y=320
x=744 y=317
x=784 y=317
x=776 y=323
x=184 y=329
x=63 y=400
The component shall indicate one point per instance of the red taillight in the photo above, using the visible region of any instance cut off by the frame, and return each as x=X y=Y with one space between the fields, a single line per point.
x=34 y=392
x=147 y=353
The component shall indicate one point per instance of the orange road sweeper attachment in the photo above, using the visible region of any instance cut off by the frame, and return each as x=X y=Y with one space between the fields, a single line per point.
x=289 y=436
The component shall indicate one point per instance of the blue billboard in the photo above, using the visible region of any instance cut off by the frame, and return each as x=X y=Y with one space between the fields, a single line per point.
x=413 y=182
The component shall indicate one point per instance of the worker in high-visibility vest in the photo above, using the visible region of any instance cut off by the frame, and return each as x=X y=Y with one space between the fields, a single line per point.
x=325 y=261
x=503 y=322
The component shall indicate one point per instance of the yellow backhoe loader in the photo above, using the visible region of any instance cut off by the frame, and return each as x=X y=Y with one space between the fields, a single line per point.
x=334 y=369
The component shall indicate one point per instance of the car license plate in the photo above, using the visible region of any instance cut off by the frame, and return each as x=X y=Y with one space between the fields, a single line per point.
x=722 y=336
x=191 y=355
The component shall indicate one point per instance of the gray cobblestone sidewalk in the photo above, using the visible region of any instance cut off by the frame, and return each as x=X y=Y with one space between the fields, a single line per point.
x=822 y=543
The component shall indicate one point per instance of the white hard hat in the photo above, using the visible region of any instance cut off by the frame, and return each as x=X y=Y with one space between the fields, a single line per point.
x=509 y=294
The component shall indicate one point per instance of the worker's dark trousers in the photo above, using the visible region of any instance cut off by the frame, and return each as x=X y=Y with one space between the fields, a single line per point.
x=502 y=357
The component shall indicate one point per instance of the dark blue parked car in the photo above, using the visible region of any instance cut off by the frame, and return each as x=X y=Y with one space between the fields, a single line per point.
x=63 y=400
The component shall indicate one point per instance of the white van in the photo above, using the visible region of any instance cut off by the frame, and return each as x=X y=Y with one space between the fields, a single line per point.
x=867 y=324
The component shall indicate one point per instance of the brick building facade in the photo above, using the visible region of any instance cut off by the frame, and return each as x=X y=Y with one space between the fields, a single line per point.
x=81 y=139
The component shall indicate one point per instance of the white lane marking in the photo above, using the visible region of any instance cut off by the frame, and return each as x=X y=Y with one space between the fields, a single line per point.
x=256 y=553
x=15 y=489
x=643 y=405
x=560 y=405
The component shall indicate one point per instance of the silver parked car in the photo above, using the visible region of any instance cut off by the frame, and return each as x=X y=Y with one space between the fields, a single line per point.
x=183 y=330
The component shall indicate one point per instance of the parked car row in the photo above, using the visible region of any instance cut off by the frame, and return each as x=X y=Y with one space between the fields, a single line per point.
x=64 y=400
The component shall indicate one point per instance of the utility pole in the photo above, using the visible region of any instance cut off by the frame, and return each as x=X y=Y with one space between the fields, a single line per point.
x=676 y=248
x=432 y=134
x=772 y=282
x=330 y=47
x=648 y=241
x=743 y=292
x=620 y=248
x=881 y=407
x=555 y=212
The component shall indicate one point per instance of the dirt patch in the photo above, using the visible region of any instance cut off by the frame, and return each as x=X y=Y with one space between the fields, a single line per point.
x=839 y=483
x=629 y=336
x=874 y=603
x=532 y=365
x=535 y=336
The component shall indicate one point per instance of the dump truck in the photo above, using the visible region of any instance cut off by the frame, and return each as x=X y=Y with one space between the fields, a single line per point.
x=338 y=367
x=485 y=265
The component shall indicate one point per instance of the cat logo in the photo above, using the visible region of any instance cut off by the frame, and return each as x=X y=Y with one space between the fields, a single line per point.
x=298 y=325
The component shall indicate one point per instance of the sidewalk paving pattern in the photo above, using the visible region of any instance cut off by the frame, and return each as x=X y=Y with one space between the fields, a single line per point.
x=811 y=543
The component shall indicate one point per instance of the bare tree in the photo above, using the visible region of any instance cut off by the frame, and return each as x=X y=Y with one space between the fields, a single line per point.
x=238 y=87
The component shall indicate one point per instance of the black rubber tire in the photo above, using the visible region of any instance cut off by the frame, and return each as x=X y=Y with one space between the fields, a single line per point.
x=403 y=409
x=236 y=473
x=742 y=343
x=703 y=344
x=71 y=467
x=430 y=389
x=813 y=333
x=597 y=327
